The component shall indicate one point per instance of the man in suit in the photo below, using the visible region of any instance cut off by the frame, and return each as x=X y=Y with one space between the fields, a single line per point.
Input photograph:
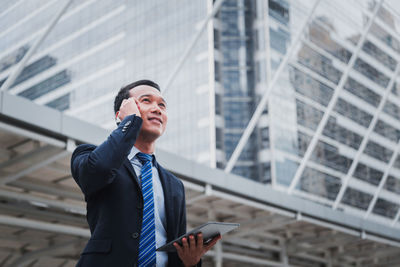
x=133 y=204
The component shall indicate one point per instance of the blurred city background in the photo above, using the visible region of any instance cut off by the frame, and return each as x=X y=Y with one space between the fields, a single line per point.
x=286 y=112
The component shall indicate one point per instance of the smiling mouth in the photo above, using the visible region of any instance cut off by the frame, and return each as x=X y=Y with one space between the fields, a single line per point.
x=155 y=120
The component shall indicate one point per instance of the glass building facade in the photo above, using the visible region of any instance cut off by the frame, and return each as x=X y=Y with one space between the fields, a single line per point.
x=343 y=68
x=99 y=46
x=329 y=65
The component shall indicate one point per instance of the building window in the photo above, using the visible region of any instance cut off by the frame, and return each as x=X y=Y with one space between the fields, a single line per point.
x=265 y=138
x=355 y=198
x=362 y=92
x=217 y=70
x=319 y=183
x=371 y=73
x=219 y=138
x=368 y=174
x=377 y=151
x=352 y=112
x=266 y=172
x=279 y=10
x=385 y=208
x=218 y=104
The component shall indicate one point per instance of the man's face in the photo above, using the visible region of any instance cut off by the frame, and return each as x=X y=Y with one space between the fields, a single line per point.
x=153 y=110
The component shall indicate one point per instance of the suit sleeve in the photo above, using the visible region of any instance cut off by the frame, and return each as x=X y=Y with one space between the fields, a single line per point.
x=182 y=216
x=182 y=227
x=93 y=168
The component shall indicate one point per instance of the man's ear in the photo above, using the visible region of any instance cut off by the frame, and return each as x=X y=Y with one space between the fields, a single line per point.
x=117 y=119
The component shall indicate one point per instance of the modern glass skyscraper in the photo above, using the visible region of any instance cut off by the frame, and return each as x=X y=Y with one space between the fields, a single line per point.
x=330 y=128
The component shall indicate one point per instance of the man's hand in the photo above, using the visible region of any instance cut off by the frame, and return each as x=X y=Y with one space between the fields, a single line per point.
x=128 y=107
x=191 y=252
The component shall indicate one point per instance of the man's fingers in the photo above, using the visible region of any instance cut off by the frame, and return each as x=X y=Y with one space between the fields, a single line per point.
x=192 y=243
x=137 y=103
x=212 y=242
x=178 y=248
x=128 y=107
x=199 y=240
x=185 y=243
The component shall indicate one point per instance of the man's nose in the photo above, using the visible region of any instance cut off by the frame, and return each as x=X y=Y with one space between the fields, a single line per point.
x=156 y=109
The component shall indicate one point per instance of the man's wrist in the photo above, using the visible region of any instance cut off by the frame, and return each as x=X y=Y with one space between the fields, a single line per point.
x=190 y=265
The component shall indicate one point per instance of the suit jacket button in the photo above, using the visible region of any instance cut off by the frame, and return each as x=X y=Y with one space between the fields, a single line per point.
x=135 y=235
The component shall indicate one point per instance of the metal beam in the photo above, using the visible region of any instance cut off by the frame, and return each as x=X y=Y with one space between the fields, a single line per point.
x=11 y=79
x=49 y=251
x=44 y=226
x=381 y=240
x=6 y=259
x=48 y=188
x=207 y=193
x=32 y=135
x=37 y=153
x=31 y=211
x=261 y=105
x=269 y=226
x=64 y=263
x=40 y=201
x=252 y=219
x=8 y=9
x=171 y=77
x=318 y=243
x=218 y=260
x=246 y=259
x=251 y=243
x=332 y=102
x=311 y=257
x=396 y=218
x=16 y=176
x=363 y=145
x=195 y=199
x=254 y=204
x=284 y=255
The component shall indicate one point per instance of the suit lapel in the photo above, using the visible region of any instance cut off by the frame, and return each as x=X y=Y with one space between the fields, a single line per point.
x=168 y=200
x=168 y=194
x=136 y=180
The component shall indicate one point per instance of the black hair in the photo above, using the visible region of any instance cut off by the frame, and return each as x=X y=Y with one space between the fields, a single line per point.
x=124 y=92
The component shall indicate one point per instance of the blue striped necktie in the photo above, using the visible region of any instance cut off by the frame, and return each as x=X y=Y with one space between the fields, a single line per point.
x=147 y=244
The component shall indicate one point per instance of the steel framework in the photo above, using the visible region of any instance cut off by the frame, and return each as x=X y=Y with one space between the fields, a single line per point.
x=332 y=102
x=276 y=229
x=261 y=105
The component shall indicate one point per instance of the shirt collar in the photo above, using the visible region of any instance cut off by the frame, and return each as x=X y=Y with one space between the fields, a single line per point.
x=135 y=150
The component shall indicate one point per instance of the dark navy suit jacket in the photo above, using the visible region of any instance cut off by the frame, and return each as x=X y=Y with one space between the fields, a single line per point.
x=114 y=199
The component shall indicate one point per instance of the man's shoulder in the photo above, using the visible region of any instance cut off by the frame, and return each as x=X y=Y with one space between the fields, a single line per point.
x=83 y=148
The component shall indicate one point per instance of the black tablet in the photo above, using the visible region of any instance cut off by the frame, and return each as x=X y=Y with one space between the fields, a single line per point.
x=209 y=230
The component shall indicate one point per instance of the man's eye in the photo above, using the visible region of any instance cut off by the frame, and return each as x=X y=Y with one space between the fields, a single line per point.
x=145 y=100
x=162 y=105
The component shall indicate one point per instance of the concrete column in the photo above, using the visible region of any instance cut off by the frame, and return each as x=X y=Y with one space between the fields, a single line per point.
x=218 y=259
x=283 y=256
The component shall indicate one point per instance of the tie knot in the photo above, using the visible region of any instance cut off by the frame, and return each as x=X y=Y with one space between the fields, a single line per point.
x=144 y=158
